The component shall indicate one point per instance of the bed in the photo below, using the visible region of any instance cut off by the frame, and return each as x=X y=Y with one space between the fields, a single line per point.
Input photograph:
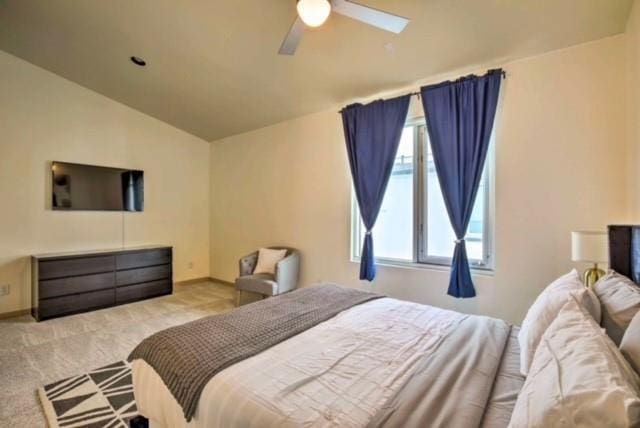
x=379 y=363
x=354 y=370
x=384 y=362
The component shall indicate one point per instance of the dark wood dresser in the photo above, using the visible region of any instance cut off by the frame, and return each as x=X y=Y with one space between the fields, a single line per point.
x=69 y=283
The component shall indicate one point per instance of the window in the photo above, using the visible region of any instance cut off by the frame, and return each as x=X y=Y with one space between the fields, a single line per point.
x=413 y=225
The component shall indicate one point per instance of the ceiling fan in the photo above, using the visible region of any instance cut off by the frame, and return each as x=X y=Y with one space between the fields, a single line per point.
x=314 y=13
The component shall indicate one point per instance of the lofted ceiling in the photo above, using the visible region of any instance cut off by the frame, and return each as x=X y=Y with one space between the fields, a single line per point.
x=213 y=68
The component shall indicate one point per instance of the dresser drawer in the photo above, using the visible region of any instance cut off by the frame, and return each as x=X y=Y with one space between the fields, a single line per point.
x=134 y=276
x=75 y=303
x=142 y=291
x=76 y=284
x=143 y=259
x=49 y=269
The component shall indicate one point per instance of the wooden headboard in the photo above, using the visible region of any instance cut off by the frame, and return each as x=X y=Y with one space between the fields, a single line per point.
x=624 y=250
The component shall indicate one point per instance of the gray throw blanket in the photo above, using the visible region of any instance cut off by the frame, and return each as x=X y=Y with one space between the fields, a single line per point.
x=186 y=357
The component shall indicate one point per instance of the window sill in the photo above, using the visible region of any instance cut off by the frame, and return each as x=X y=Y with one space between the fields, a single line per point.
x=475 y=270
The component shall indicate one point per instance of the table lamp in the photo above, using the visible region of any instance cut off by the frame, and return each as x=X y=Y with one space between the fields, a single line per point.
x=590 y=247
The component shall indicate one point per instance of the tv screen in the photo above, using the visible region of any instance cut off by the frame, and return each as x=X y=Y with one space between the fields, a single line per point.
x=96 y=188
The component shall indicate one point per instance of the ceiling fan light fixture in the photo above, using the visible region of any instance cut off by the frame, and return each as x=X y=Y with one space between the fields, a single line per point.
x=314 y=13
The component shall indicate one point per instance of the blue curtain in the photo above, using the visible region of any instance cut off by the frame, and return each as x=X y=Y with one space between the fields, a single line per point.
x=460 y=119
x=372 y=133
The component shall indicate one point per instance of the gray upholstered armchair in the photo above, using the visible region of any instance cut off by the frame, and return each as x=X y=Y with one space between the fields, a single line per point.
x=284 y=280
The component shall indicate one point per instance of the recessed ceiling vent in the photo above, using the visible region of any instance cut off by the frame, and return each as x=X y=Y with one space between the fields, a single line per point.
x=138 y=61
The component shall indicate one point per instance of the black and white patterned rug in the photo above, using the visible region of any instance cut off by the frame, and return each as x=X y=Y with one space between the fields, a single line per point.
x=99 y=399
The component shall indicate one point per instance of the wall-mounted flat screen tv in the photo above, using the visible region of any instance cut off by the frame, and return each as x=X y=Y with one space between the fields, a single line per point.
x=96 y=188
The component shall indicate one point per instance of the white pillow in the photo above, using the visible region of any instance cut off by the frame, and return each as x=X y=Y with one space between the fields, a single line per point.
x=578 y=377
x=620 y=299
x=267 y=260
x=630 y=344
x=546 y=308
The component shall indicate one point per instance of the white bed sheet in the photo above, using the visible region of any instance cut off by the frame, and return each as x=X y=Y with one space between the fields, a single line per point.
x=338 y=373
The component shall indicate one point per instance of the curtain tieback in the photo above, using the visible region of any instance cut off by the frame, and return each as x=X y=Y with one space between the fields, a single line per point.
x=459 y=241
x=368 y=232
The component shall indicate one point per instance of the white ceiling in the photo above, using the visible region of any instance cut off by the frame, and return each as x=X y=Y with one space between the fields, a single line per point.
x=213 y=68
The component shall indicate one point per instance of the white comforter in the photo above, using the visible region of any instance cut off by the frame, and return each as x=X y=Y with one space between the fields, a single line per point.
x=338 y=373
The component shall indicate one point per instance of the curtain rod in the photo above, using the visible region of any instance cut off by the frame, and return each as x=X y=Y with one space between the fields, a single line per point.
x=419 y=94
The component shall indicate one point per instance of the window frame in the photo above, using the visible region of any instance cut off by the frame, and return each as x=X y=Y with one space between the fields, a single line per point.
x=420 y=211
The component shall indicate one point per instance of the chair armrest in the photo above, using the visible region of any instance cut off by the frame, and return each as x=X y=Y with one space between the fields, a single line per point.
x=287 y=272
x=248 y=263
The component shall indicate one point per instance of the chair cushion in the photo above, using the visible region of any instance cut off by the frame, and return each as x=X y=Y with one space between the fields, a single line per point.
x=267 y=260
x=261 y=283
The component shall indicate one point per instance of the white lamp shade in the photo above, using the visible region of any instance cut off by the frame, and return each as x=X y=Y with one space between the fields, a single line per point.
x=589 y=247
x=314 y=12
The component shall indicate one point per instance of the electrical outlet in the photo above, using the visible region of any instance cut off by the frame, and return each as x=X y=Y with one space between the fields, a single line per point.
x=5 y=289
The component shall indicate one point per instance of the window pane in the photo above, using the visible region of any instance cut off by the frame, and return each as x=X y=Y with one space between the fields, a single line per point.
x=440 y=235
x=393 y=232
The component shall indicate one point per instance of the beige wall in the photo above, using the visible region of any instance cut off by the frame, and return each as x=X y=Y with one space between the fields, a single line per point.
x=633 y=102
x=43 y=118
x=562 y=134
x=561 y=145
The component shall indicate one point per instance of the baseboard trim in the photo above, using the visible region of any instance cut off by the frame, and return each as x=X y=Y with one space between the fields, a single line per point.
x=192 y=281
x=14 y=314
x=203 y=279
x=221 y=281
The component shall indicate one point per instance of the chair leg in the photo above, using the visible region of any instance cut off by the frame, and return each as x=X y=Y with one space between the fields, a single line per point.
x=238 y=295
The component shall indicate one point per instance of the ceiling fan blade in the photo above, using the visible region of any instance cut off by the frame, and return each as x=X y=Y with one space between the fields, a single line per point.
x=292 y=39
x=368 y=15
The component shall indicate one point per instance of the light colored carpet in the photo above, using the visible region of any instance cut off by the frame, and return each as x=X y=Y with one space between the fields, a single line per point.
x=34 y=354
